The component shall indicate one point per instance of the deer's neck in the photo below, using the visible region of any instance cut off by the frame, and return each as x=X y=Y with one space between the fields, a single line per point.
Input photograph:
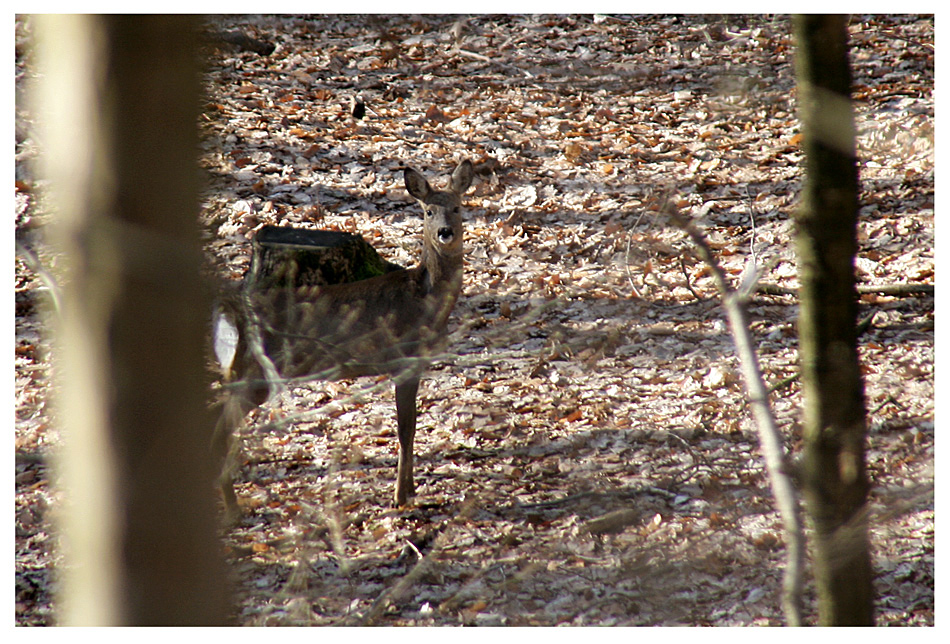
x=443 y=274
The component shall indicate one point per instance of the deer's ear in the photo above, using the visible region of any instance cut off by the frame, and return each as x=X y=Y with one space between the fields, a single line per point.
x=462 y=177
x=416 y=184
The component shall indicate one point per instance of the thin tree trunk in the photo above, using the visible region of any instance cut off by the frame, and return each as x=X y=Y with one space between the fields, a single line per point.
x=120 y=97
x=835 y=477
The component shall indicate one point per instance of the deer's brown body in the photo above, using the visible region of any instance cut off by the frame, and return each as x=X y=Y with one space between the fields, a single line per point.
x=388 y=324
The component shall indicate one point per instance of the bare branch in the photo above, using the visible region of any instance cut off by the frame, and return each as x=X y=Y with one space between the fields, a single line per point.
x=769 y=436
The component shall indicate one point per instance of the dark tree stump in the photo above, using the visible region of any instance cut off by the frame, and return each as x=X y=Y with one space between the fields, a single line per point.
x=284 y=256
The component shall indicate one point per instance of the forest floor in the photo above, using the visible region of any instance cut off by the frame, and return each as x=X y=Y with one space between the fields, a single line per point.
x=585 y=454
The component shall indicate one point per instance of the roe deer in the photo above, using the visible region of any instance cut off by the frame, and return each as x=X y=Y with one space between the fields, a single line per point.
x=387 y=324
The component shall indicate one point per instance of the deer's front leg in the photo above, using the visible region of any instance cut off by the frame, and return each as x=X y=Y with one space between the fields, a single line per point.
x=406 y=421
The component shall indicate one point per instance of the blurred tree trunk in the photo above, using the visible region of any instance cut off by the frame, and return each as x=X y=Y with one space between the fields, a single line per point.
x=835 y=477
x=119 y=98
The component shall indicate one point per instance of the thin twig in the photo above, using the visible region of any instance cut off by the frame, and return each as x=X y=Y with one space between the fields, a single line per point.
x=35 y=264
x=399 y=590
x=769 y=436
x=689 y=286
x=784 y=382
x=915 y=288
x=626 y=266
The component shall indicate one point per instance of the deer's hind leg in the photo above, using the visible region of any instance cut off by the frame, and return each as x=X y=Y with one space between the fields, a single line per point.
x=406 y=422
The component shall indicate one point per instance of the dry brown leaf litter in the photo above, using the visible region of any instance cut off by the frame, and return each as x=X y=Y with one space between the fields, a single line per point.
x=585 y=457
